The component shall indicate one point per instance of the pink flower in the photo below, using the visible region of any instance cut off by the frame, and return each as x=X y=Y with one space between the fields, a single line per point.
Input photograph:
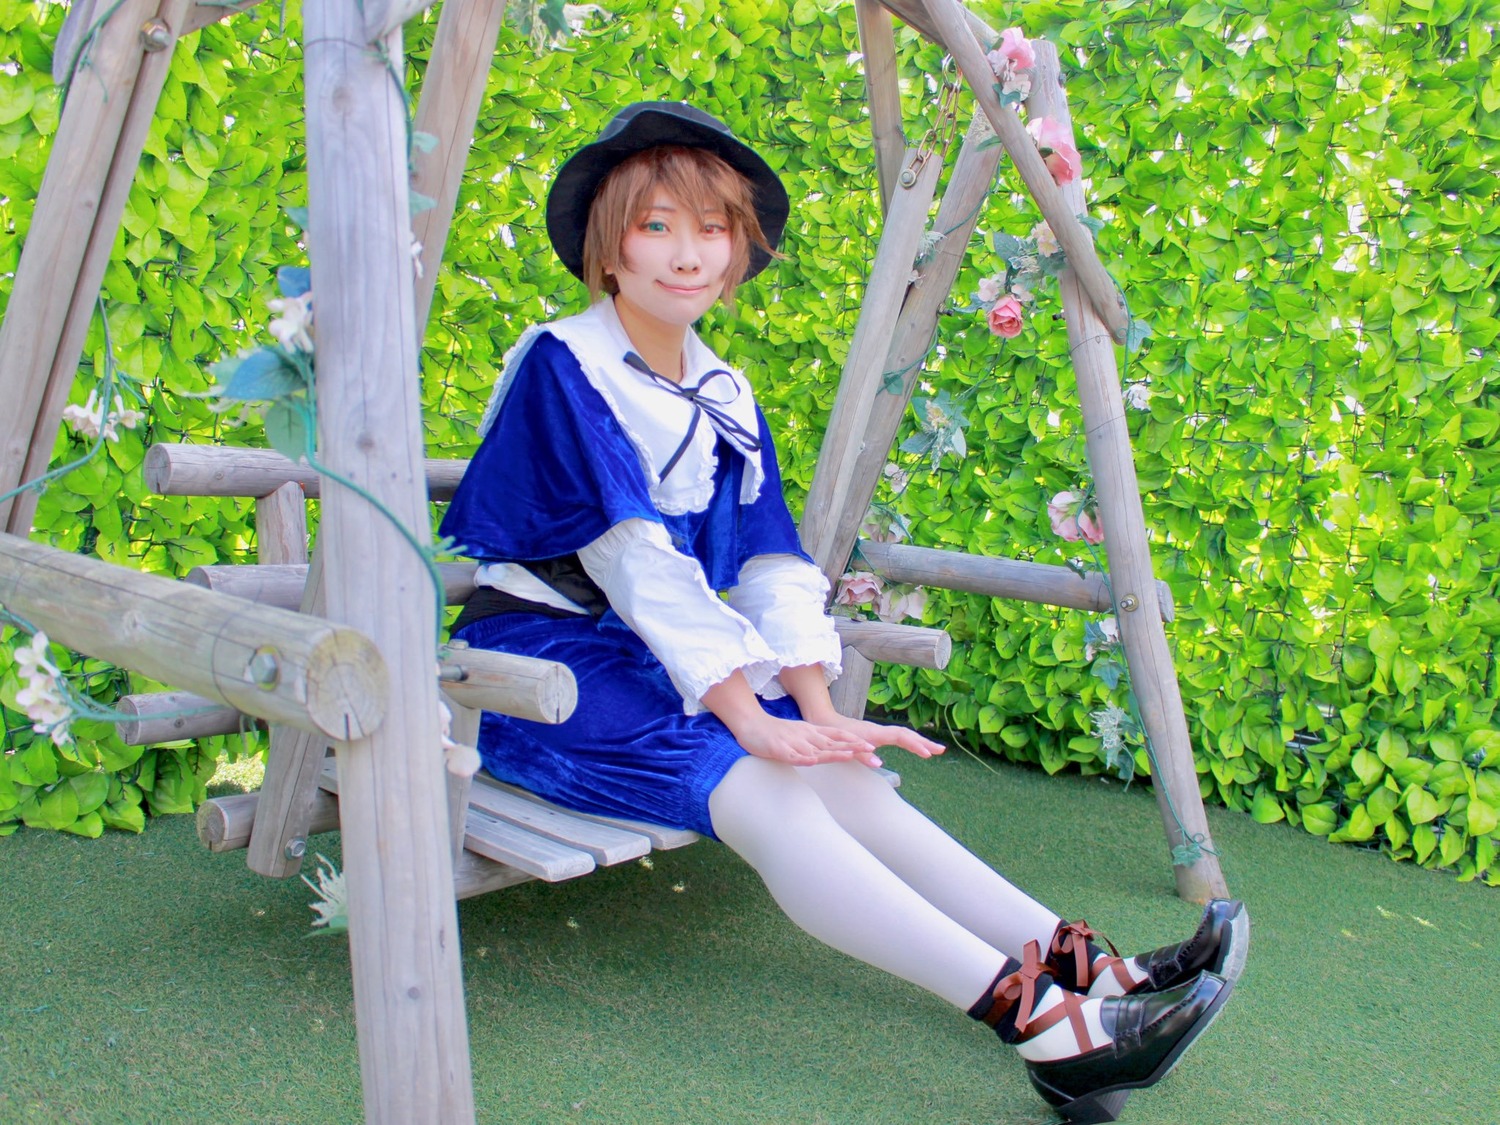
x=1090 y=528
x=858 y=588
x=894 y=606
x=1056 y=146
x=1060 y=512
x=1005 y=318
x=1015 y=47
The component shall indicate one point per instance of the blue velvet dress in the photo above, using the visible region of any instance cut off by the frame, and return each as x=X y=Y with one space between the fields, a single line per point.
x=554 y=473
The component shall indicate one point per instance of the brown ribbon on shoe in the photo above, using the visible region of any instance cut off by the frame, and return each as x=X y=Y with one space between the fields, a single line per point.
x=1020 y=987
x=1074 y=938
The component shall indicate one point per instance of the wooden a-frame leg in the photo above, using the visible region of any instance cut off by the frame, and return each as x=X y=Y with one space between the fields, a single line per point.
x=958 y=214
x=93 y=160
x=393 y=815
x=452 y=91
x=463 y=729
x=851 y=691
x=294 y=762
x=877 y=42
x=862 y=379
x=1152 y=675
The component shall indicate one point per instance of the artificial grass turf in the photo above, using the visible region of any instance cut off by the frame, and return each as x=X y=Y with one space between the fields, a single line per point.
x=146 y=980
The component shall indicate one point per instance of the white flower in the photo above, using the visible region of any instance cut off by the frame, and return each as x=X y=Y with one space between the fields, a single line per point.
x=416 y=258
x=461 y=760
x=42 y=699
x=90 y=418
x=999 y=64
x=293 y=328
x=1021 y=292
x=332 y=907
x=1046 y=241
x=897 y=476
x=1111 y=630
x=1138 y=396
x=989 y=290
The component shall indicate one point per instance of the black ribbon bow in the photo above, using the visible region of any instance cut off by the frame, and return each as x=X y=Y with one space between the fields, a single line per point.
x=694 y=396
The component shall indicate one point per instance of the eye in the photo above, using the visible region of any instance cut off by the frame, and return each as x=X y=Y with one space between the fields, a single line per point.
x=715 y=227
x=654 y=226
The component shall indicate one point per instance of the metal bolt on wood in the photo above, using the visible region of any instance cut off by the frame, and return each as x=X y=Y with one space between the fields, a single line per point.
x=264 y=669
x=296 y=847
x=1129 y=602
x=156 y=35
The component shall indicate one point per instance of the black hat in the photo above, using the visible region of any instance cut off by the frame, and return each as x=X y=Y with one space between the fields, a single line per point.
x=645 y=125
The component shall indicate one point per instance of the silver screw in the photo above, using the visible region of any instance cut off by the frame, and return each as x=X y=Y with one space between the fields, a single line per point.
x=155 y=35
x=296 y=847
x=1128 y=603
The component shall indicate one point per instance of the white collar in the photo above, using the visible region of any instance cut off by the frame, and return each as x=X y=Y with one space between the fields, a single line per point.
x=655 y=417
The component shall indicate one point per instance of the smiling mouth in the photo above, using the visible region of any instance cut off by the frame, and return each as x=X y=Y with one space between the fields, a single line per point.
x=686 y=290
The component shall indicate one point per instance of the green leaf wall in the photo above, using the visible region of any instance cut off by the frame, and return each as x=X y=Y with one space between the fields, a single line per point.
x=1301 y=200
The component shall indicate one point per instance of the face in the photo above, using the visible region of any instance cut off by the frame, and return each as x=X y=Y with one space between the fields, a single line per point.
x=672 y=264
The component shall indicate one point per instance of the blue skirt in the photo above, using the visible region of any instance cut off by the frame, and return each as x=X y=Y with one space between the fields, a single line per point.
x=628 y=750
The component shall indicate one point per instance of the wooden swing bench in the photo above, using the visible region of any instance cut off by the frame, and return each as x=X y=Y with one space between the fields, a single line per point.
x=501 y=835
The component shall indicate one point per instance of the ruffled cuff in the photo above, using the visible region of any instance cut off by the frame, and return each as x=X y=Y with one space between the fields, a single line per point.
x=783 y=597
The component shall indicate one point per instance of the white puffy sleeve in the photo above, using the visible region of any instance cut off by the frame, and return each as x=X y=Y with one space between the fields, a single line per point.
x=784 y=598
x=664 y=597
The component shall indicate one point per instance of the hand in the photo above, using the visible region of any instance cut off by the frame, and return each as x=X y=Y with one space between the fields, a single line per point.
x=878 y=735
x=801 y=743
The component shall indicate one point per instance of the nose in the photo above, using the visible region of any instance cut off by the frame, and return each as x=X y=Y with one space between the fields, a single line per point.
x=687 y=258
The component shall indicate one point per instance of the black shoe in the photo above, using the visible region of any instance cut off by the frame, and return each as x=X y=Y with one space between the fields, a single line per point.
x=1150 y=1030
x=1219 y=947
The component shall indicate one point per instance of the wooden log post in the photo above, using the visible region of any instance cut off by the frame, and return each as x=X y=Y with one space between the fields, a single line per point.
x=263 y=661
x=403 y=924
x=448 y=108
x=955 y=35
x=864 y=368
x=877 y=42
x=963 y=201
x=1108 y=440
x=89 y=171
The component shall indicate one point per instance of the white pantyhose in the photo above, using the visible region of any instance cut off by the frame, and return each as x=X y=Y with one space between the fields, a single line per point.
x=858 y=868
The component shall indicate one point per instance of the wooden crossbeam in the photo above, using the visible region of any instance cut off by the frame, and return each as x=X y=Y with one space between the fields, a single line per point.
x=224 y=470
x=260 y=660
x=1017 y=579
x=1152 y=676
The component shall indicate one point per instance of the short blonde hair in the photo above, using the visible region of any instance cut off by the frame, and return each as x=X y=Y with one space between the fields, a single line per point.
x=695 y=178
